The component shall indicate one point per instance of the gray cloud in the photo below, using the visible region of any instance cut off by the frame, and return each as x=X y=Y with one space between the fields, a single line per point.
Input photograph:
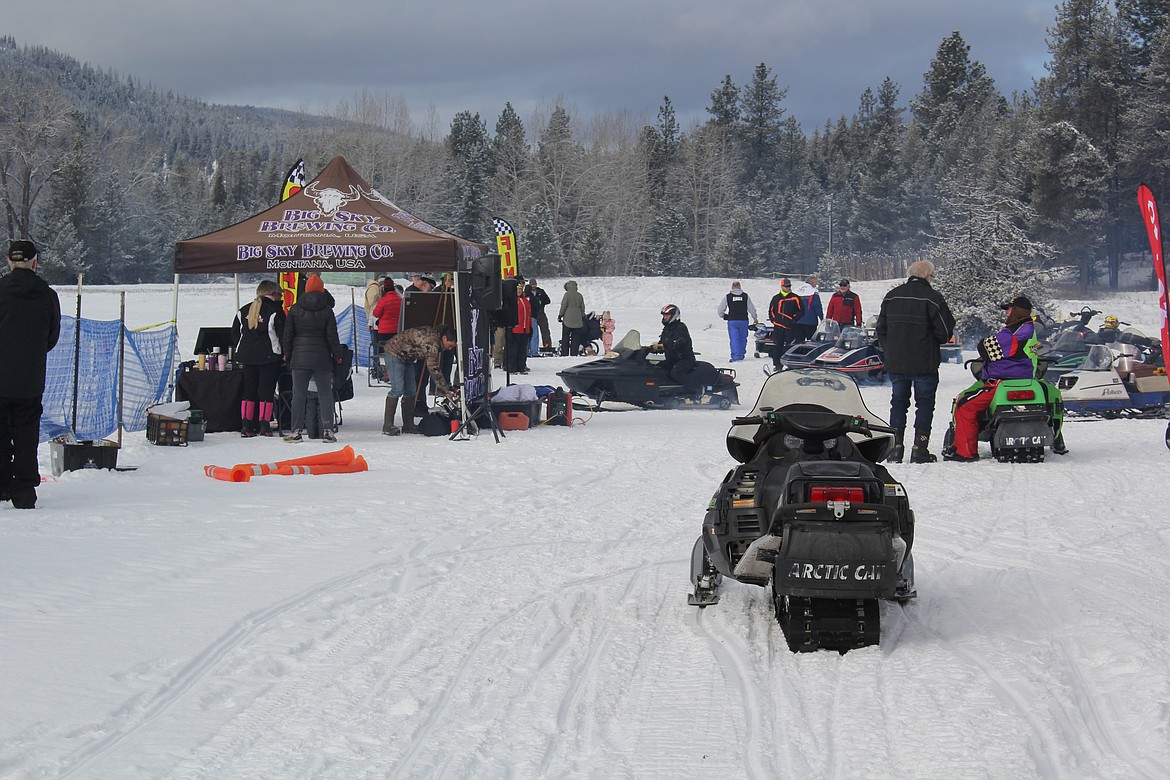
x=604 y=56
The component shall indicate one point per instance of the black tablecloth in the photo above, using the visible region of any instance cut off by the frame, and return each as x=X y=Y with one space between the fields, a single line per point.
x=217 y=393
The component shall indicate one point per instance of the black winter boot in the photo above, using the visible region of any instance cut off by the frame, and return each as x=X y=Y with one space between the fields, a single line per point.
x=898 y=451
x=408 y=424
x=920 y=453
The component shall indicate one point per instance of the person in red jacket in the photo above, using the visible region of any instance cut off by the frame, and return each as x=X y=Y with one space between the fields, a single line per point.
x=783 y=312
x=518 y=336
x=844 y=306
x=387 y=311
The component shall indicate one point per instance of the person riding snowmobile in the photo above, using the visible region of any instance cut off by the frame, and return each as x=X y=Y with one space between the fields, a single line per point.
x=675 y=343
x=1107 y=333
x=1005 y=356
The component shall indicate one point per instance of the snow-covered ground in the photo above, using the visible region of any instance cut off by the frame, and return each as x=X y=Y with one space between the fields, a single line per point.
x=474 y=609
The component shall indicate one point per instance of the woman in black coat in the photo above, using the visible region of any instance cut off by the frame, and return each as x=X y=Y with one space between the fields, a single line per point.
x=312 y=348
x=257 y=332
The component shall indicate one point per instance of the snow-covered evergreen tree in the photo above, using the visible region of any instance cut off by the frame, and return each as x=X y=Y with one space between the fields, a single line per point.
x=984 y=257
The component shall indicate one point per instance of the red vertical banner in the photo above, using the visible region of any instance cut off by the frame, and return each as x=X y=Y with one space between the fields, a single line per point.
x=1149 y=207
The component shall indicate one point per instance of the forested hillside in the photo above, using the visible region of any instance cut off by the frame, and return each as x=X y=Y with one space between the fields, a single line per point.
x=106 y=172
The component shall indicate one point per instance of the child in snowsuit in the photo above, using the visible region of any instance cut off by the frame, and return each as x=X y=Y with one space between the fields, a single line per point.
x=607 y=326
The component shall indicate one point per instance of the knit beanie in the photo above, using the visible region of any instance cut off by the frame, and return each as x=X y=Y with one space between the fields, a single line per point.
x=314 y=284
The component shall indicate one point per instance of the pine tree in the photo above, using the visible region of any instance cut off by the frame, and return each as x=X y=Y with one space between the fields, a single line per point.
x=542 y=250
x=471 y=163
x=1147 y=123
x=1088 y=86
x=880 y=214
x=762 y=125
x=984 y=257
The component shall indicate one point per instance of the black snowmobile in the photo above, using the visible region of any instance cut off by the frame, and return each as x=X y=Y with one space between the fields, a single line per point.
x=811 y=512
x=634 y=376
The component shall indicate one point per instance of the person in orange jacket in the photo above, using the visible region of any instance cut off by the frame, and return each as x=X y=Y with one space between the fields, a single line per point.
x=783 y=312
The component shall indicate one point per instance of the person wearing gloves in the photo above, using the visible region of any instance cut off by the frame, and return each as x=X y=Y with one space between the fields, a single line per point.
x=312 y=348
x=1005 y=355
x=783 y=312
x=675 y=343
x=736 y=307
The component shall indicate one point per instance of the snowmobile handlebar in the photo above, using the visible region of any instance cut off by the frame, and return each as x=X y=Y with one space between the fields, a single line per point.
x=802 y=424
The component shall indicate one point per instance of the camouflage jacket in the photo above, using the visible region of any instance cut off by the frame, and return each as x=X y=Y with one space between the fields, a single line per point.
x=423 y=343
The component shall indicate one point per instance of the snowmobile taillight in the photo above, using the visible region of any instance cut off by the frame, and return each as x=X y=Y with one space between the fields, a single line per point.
x=1021 y=395
x=821 y=493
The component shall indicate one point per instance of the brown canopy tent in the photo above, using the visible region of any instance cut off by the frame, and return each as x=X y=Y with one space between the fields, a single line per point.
x=338 y=222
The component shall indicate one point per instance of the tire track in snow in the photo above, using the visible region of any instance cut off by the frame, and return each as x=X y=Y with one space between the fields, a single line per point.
x=1046 y=753
x=185 y=681
x=740 y=678
x=1089 y=706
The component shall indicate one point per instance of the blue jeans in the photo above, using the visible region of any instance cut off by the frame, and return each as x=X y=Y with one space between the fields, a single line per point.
x=402 y=377
x=737 y=331
x=925 y=388
x=534 y=342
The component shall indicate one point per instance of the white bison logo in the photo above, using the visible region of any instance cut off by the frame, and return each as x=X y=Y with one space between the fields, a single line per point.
x=329 y=200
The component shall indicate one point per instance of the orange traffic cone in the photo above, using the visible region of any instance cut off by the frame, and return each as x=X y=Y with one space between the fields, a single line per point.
x=354 y=466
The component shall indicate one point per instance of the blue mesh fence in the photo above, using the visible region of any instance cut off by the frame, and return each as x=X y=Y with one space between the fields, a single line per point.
x=150 y=357
x=345 y=330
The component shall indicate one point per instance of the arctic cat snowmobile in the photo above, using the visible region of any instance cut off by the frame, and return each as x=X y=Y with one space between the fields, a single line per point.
x=803 y=354
x=1025 y=417
x=810 y=513
x=1117 y=381
x=633 y=375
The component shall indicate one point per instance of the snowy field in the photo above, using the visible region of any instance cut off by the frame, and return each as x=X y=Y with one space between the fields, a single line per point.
x=518 y=609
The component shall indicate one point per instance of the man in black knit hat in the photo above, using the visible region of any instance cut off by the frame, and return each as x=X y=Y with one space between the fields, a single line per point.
x=30 y=323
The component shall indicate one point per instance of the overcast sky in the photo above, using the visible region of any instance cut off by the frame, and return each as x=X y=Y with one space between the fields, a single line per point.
x=596 y=57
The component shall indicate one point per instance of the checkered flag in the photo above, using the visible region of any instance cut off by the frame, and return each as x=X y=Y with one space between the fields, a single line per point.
x=502 y=227
x=295 y=181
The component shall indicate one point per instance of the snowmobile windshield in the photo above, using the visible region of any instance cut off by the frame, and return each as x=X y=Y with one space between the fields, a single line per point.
x=630 y=343
x=827 y=332
x=1099 y=358
x=832 y=390
x=1132 y=336
x=851 y=338
x=1069 y=341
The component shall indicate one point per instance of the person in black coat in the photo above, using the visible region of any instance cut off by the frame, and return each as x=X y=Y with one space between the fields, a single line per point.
x=675 y=343
x=30 y=324
x=913 y=324
x=312 y=348
x=257 y=332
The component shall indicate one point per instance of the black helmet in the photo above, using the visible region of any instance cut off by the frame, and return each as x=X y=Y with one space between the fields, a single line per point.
x=670 y=313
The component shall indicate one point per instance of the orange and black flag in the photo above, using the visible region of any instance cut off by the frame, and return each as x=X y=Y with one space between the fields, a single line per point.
x=290 y=281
